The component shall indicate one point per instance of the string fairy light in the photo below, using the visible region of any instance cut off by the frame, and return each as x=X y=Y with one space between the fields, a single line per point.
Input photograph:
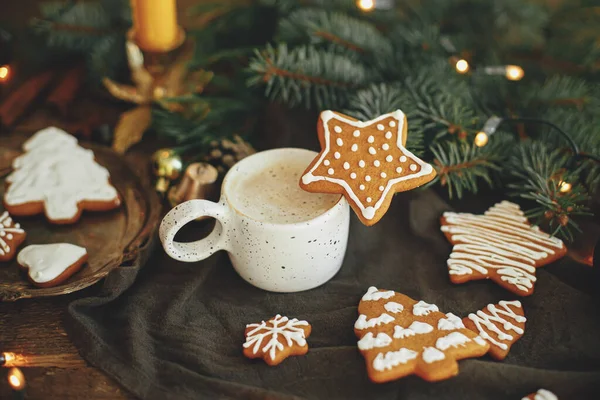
x=16 y=380
x=462 y=66
x=6 y=359
x=564 y=186
x=481 y=139
x=514 y=72
x=4 y=73
x=366 y=5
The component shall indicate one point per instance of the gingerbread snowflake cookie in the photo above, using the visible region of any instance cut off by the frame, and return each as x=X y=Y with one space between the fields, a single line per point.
x=276 y=339
x=51 y=264
x=499 y=245
x=501 y=325
x=11 y=237
x=400 y=336
x=365 y=161
x=57 y=177
x=541 y=394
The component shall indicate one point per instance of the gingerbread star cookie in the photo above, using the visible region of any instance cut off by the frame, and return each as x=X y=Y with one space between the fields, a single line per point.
x=11 y=237
x=500 y=245
x=276 y=339
x=541 y=394
x=501 y=325
x=365 y=161
x=400 y=336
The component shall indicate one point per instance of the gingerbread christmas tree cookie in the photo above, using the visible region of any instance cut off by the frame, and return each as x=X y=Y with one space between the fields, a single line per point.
x=11 y=237
x=400 y=336
x=365 y=161
x=276 y=339
x=501 y=325
x=500 y=245
x=59 y=178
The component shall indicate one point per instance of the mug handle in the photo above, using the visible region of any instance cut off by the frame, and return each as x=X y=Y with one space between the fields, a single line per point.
x=184 y=213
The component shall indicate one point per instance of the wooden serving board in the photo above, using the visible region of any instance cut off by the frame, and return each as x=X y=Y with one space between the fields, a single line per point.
x=111 y=238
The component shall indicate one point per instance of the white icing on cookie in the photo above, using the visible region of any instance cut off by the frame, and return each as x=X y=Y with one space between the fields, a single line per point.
x=416 y=328
x=423 y=308
x=369 y=342
x=368 y=212
x=363 y=323
x=543 y=394
x=501 y=239
x=431 y=355
x=58 y=172
x=374 y=294
x=291 y=331
x=392 y=359
x=393 y=307
x=453 y=339
x=47 y=262
x=7 y=230
x=449 y=323
x=483 y=321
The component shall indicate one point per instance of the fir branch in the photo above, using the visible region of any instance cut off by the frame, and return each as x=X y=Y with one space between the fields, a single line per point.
x=461 y=166
x=540 y=173
x=306 y=75
x=379 y=99
x=334 y=28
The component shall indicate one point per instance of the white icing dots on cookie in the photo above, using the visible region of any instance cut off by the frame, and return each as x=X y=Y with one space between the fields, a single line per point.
x=339 y=141
x=402 y=158
x=380 y=127
x=399 y=169
x=372 y=151
x=376 y=163
x=346 y=165
x=337 y=155
x=326 y=163
x=371 y=139
x=388 y=135
x=368 y=178
x=353 y=175
x=356 y=133
x=392 y=123
x=413 y=167
x=362 y=187
x=369 y=199
x=361 y=163
x=383 y=175
x=381 y=188
x=385 y=146
x=354 y=147
x=330 y=171
x=389 y=158
x=337 y=129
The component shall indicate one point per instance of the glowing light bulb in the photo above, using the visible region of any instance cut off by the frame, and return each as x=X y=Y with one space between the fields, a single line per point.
x=462 y=66
x=366 y=5
x=514 y=73
x=16 y=379
x=4 y=73
x=564 y=187
x=481 y=139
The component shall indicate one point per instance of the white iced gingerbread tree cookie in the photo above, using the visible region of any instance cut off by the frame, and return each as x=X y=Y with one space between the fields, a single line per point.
x=400 y=336
x=59 y=178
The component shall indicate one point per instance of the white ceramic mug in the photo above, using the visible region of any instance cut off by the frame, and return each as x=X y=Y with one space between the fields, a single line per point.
x=274 y=256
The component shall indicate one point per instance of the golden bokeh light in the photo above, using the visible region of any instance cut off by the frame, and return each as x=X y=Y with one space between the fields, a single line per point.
x=481 y=139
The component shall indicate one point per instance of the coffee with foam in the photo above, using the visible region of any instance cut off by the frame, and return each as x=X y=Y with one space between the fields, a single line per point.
x=272 y=193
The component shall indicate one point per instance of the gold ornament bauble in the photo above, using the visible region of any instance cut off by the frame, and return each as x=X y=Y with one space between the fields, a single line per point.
x=167 y=166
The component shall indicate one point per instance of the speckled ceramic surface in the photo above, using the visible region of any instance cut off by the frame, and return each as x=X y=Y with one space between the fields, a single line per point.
x=287 y=253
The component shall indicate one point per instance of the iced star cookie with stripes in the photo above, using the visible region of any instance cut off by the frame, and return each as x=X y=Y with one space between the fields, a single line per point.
x=366 y=162
x=500 y=245
x=399 y=336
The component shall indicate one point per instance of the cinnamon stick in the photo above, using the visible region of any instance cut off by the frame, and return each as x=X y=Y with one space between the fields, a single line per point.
x=19 y=101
